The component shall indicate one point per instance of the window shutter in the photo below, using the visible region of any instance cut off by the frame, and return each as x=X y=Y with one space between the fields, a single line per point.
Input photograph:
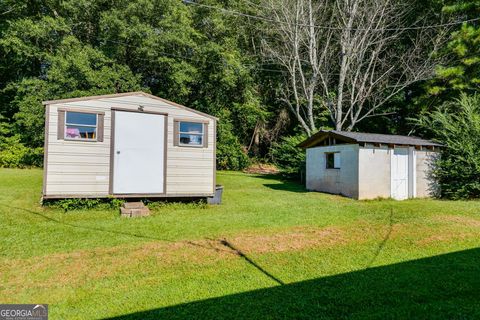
x=176 y=130
x=336 y=160
x=100 y=127
x=205 y=135
x=61 y=125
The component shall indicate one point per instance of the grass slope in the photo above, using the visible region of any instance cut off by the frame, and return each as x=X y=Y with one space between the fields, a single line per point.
x=271 y=250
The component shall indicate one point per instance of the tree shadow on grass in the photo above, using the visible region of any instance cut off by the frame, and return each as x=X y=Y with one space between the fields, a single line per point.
x=440 y=287
x=286 y=186
x=283 y=183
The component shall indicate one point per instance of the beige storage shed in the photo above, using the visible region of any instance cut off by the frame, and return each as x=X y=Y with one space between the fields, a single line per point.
x=127 y=145
x=367 y=166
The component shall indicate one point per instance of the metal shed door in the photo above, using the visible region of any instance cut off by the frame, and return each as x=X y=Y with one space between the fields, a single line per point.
x=139 y=153
x=399 y=173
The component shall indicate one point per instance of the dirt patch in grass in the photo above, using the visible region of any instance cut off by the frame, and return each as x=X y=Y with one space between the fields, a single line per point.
x=463 y=220
x=420 y=234
x=293 y=240
x=433 y=239
x=76 y=268
x=451 y=229
x=262 y=168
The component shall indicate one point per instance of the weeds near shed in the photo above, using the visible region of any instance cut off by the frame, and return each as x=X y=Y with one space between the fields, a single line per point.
x=81 y=204
x=158 y=205
x=115 y=203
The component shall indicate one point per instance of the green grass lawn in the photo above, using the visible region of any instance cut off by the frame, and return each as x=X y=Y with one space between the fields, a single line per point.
x=271 y=250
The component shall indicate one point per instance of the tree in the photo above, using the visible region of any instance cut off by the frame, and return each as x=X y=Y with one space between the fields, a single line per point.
x=59 y=49
x=461 y=70
x=350 y=57
x=456 y=125
x=74 y=70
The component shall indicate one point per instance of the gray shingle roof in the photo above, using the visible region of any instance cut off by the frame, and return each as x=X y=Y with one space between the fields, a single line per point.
x=361 y=137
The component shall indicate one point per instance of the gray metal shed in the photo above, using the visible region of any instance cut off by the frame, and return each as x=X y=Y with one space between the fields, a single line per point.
x=367 y=165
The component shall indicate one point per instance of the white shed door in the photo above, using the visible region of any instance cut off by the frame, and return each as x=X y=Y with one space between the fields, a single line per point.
x=399 y=174
x=139 y=153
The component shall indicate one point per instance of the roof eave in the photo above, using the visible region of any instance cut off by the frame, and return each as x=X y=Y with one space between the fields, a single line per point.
x=86 y=98
x=306 y=143
x=320 y=135
x=317 y=137
x=135 y=93
x=179 y=105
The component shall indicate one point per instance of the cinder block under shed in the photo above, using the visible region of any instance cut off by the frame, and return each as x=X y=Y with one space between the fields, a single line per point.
x=134 y=209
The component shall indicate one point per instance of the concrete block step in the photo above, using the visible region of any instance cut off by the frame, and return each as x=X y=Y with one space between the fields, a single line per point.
x=134 y=209
x=134 y=205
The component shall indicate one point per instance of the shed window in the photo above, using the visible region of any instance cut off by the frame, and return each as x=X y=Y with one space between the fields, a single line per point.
x=81 y=126
x=191 y=134
x=333 y=160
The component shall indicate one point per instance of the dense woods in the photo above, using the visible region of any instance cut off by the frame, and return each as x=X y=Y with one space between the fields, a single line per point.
x=272 y=71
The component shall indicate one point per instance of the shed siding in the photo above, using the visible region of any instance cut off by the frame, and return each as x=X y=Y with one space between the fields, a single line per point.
x=189 y=169
x=77 y=167
x=365 y=172
x=83 y=168
x=374 y=172
x=337 y=181
x=425 y=184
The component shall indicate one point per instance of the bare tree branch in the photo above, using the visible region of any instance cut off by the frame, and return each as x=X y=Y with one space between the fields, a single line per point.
x=353 y=69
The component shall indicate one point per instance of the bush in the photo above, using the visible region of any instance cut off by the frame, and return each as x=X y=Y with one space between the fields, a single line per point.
x=82 y=204
x=230 y=154
x=115 y=203
x=287 y=156
x=456 y=125
x=13 y=154
x=76 y=204
x=159 y=205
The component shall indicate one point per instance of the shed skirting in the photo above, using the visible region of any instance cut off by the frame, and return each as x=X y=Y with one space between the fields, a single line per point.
x=120 y=196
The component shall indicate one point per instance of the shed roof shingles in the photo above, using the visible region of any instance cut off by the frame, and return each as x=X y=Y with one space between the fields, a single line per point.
x=357 y=137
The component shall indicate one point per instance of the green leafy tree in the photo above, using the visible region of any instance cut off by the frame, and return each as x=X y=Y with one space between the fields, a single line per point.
x=72 y=48
x=456 y=125
x=230 y=154
x=288 y=156
x=197 y=56
x=74 y=70
x=461 y=72
x=156 y=39
x=225 y=85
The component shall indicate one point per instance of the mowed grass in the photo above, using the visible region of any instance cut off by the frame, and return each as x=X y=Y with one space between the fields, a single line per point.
x=271 y=250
